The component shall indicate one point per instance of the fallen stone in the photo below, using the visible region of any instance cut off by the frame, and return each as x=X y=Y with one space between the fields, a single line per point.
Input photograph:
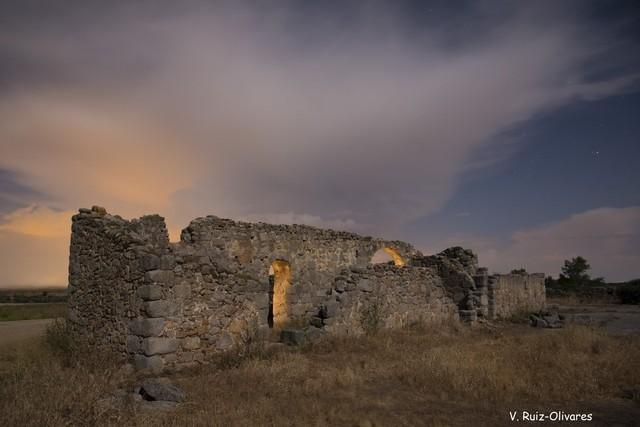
x=538 y=322
x=552 y=318
x=161 y=389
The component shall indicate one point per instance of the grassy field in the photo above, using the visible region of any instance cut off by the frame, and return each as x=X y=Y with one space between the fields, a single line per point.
x=438 y=376
x=33 y=295
x=32 y=311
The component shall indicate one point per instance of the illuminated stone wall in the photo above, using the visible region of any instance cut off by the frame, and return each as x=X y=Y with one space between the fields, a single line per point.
x=511 y=293
x=169 y=305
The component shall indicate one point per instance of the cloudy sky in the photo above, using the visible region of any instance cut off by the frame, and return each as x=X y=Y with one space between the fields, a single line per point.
x=507 y=127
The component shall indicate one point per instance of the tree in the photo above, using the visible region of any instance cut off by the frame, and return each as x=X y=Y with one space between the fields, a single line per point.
x=519 y=271
x=575 y=270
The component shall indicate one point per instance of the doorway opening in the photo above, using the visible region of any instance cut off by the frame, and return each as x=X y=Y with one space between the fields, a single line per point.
x=279 y=282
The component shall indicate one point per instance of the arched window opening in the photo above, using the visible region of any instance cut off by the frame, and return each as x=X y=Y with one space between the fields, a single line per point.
x=386 y=255
x=279 y=282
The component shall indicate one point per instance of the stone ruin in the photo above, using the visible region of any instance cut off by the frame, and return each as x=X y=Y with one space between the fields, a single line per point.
x=166 y=306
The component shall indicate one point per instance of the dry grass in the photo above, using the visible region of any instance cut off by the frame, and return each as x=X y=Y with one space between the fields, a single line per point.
x=448 y=376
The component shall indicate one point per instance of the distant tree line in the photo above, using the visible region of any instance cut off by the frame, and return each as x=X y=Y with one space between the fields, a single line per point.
x=575 y=279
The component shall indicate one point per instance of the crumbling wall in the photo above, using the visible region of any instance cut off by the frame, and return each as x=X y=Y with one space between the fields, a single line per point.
x=384 y=296
x=105 y=271
x=511 y=293
x=172 y=305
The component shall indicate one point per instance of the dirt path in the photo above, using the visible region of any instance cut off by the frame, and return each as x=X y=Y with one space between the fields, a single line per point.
x=19 y=330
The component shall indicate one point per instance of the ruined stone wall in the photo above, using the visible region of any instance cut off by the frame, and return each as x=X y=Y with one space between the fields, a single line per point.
x=385 y=296
x=105 y=271
x=511 y=293
x=172 y=305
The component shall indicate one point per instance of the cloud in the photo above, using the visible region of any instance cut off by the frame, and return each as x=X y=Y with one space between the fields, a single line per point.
x=29 y=261
x=609 y=238
x=254 y=113
x=37 y=221
x=34 y=247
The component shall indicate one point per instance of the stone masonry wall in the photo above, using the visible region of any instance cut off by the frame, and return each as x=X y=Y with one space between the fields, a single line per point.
x=169 y=305
x=385 y=296
x=105 y=273
x=172 y=305
x=510 y=293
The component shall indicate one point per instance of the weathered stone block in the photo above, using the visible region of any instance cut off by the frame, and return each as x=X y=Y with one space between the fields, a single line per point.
x=147 y=327
x=191 y=343
x=134 y=344
x=224 y=342
x=160 y=276
x=150 y=292
x=343 y=298
x=161 y=389
x=329 y=309
x=160 y=308
x=149 y=262
x=154 y=364
x=167 y=262
x=365 y=285
x=153 y=345
x=182 y=290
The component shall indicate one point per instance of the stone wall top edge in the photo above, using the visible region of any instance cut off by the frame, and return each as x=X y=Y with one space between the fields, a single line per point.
x=100 y=215
x=214 y=222
x=540 y=276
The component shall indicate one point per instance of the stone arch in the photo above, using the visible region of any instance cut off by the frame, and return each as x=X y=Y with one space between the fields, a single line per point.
x=390 y=254
x=279 y=282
